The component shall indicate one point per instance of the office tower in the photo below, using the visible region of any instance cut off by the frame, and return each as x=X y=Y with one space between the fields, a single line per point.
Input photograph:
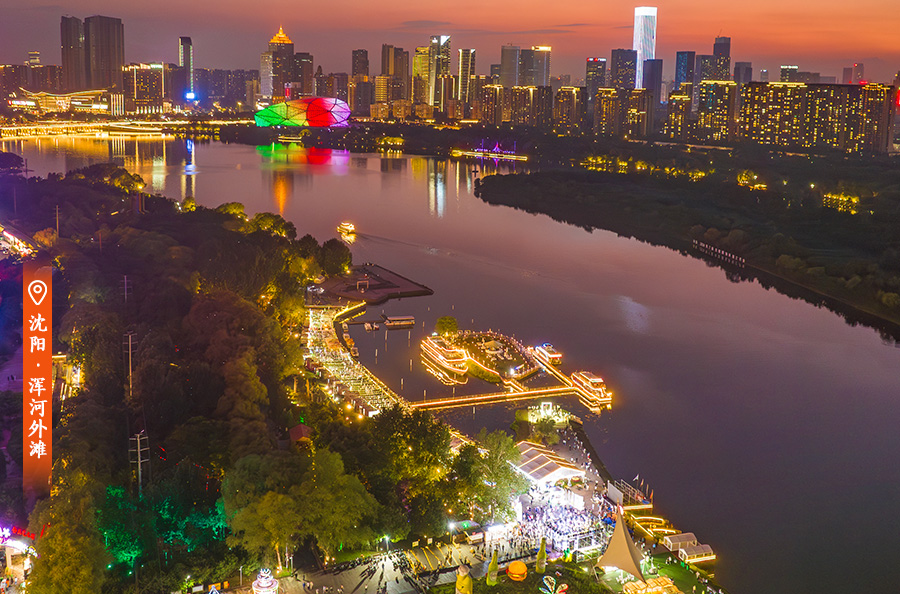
x=807 y=77
x=569 y=110
x=420 y=66
x=360 y=63
x=74 y=69
x=772 y=113
x=401 y=72
x=45 y=77
x=716 y=111
x=495 y=73
x=541 y=65
x=186 y=61
x=594 y=77
x=509 y=65
x=338 y=86
x=764 y=75
x=492 y=104
x=446 y=93
x=34 y=59
x=678 y=123
x=623 y=68
x=859 y=73
x=722 y=54
x=387 y=60
x=847 y=75
x=466 y=72
x=384 y=88
x=363 y=95
x=789 y=73
x=684 y=68
x=705 y=69
x=438 y=64
x=104 y=41
x=277 y=66
x=320 y=83
x=145 y=89
x=644 y=43
x=652 y=80
x=521 y=105
x=743 y=72
x=304 y=72
x=526 y=68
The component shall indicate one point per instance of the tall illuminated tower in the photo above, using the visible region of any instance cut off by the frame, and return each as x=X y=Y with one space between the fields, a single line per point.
x=186 y=61
x=438 y=64
x=466 y=72
x=541 y=65
x=104 y=43
x=277 y=66
x=644 y=38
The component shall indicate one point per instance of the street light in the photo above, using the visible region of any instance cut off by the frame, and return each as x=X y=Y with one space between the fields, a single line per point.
x=387 y=543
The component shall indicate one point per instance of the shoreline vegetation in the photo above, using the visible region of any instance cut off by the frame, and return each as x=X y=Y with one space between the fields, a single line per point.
x=848 y=262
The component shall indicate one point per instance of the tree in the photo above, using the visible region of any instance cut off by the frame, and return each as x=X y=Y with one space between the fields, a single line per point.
x=335 y=257
x=502 y=481
x=446 y=325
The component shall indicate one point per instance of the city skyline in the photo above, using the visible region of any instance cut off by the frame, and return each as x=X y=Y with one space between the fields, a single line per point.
x=767 y=36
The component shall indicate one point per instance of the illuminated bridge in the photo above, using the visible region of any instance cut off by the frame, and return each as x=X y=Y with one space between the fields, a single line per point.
x=56 y=128
x=493 y=398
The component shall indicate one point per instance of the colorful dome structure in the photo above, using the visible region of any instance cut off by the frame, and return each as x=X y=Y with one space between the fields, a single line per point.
x=317 y=112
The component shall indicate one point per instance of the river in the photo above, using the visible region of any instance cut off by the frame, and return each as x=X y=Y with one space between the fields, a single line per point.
x=765 y=425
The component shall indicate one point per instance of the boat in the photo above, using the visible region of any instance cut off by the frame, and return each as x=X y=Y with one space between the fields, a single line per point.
x=547 y=354
x=346 y=228
x=592 y=389
x=394 y=322
x=448 y=357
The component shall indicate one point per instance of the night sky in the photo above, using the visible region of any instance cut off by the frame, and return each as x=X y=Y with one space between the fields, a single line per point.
x=822 y=35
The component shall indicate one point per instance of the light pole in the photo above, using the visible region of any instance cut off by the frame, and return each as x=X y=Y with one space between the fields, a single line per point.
x=242 y=575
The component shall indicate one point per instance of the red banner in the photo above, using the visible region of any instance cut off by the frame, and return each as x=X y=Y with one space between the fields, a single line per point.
x=37 y=377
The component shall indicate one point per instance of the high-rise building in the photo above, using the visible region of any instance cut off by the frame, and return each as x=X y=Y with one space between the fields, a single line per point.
x=847 y=75
x=722 y=54
x=277 y=66
x=420 y=68
x=401 y=72
x=772 y=113
x=859 y=73
x=594 y=77
x=526 y=68
x=684 y=68
x=743 y=72
x=678 y=123
x=104 y=41
x=387 y=60
x=509 y=65
x=362 y=95
x=764 y=75
x=438 y=64
x=705 y=69
x=609 y=112
x=652 y=81
x=493 y=104
x=495 y=73
x=644 y=43
x=34 y=59
x=360 y=63
x=639 y=113
x=532 y=106
x=541 y=65
x=622 y=68
x=789 y=73
x=145 y=90
x=716 y=111
x=74 y=68
x=304 y=72
x=569 y=110
x=186 y=61
x=466 y=72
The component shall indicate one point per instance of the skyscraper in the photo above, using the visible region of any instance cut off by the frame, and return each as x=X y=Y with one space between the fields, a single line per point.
x=509 y=65
x=644 y=38
x=622 y=68
x=74 y=70
x=743 y=72
x=594 y=77
x=541 y=65
x=420 y=67
x=387 y=60
x=652 y=81
x=466 y=72
x=360 y=64
x=684 y=68
x=526 y=67
x=104 y=40
x=438 y=64
x=186 y=61
x=789 y=73
x=277 y=66
x=722 y=53
x=716 y=112
x=304 y=72
x=859 y=73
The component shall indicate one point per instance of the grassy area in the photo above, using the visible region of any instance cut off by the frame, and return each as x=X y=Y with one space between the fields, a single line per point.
x=579 y=581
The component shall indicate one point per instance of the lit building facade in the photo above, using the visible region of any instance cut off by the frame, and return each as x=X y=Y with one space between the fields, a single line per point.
x=466 y=72
x=145 y=88
x=74 y=69
x=644 y=42
x=104 y=41
x=716 y=111
x=186 y=61
x=276 y=66
x=594 y=77
x=569 y=110
x=678 y=123
x=622 y=68
x=509 y=65
x=541 y=65
x=684 y=68
x=438 y=64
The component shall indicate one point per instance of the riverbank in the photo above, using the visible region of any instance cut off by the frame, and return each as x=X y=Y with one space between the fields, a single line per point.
x=805 y=251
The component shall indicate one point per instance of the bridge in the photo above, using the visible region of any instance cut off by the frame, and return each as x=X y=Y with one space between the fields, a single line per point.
x=124 y=127
x=492 y=398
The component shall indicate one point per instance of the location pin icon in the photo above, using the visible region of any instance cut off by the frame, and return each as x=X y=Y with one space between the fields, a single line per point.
x=37 y=290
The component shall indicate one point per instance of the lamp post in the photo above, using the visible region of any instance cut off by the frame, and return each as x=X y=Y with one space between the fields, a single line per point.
x=242 y=575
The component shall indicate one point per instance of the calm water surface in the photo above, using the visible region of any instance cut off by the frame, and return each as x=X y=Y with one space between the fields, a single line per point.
x=766 y=426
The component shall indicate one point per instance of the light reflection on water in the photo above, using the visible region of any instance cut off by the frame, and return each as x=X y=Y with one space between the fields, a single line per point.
x=760 y=422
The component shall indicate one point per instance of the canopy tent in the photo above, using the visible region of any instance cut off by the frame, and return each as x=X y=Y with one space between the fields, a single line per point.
x=543 y=466
x=621 y=552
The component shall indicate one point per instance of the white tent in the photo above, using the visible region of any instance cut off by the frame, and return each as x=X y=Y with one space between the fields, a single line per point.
x=621 y=552
x=544 y=466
